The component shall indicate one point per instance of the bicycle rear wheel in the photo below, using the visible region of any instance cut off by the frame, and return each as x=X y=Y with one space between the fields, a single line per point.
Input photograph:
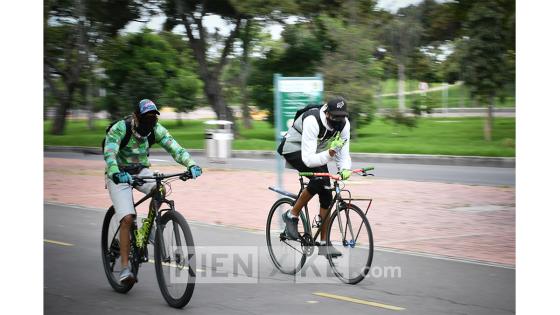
x=287 y=255
x=110 y=252
x=349 y=232
x=175 y=260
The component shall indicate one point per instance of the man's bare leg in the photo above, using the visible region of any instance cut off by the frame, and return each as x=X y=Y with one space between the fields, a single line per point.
x=124 y=236
x=323 y=213
x=302 y=201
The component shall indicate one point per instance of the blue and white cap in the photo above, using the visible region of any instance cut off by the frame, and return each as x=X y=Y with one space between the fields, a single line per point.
x=146 y=106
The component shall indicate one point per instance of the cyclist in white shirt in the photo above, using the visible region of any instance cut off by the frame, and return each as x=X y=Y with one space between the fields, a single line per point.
x=316 y=137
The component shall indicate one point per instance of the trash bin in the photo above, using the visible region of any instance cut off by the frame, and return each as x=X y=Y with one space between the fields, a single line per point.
x=218 y=140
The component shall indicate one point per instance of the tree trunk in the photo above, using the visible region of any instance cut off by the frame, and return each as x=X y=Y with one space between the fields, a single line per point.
x=213 y=92
x=59 y=123
x=378 y=97
x=179 y=120
x=489 y=121
x=210 y=77
x=402 y=79
x=87 y=105
x=247 y=123
x=462 y=88
x=354 y=128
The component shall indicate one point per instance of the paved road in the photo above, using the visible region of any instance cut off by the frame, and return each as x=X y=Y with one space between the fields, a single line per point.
x=490 y=176
x=75 y=282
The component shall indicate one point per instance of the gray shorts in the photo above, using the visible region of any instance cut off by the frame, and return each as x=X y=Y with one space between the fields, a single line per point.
x=121 y=194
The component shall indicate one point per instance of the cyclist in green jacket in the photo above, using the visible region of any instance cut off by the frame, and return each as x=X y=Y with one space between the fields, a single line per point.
x=132 y=159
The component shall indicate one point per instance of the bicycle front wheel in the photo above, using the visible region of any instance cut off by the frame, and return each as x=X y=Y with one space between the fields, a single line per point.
x=111 y=255
x=175 y=260
x=350 y=234
x=287 y=255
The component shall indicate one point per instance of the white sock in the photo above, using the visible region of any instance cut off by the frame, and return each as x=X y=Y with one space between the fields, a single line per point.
x=290 y=215
x=322 y=243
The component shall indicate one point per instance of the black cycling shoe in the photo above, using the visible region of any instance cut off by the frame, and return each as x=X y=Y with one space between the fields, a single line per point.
x=291 y=229
x=323 y=251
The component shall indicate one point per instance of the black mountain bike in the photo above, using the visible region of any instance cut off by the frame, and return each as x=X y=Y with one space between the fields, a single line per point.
x=174 y=254
x=348 y=231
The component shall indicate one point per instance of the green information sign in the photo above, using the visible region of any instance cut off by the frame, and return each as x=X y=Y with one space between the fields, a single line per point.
x=292 y=94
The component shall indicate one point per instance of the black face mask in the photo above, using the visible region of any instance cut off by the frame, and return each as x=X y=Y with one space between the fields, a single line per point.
x=146 y=125
x=337 y=125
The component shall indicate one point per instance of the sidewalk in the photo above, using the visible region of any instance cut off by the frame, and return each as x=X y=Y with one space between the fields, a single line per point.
x=470 y=222
x=483 y=161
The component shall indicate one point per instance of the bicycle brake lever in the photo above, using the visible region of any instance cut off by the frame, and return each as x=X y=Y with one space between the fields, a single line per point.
x=137 y=182
x=185 y=176
x=364 y=174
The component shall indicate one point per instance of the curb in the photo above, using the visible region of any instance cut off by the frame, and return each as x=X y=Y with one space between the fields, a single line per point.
x=454 y=160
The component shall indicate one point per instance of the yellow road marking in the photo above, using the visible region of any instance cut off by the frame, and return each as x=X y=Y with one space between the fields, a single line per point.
x=353 y=300
x=58 y=243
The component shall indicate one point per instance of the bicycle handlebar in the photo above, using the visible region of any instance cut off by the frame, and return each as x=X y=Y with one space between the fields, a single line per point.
x=336 y=177
x=139 y=180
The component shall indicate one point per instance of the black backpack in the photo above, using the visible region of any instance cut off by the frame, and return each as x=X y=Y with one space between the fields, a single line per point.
x=306 y=108
x=322 y=130
x=126 y=139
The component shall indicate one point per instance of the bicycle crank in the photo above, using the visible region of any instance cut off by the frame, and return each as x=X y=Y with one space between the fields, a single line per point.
x=307 y=244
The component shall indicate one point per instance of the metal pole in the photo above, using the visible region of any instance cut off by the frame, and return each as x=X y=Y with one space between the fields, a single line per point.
x=277 y=123
x=445 y=94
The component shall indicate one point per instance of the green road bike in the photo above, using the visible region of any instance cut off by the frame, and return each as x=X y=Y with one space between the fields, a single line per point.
x=173 y=247
x=348 y=231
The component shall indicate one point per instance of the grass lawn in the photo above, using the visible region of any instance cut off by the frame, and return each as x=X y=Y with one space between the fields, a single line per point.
x=450 y=136
x=458 y=95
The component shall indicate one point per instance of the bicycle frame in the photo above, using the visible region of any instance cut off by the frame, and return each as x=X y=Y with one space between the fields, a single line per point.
x=338 y=200
x=323 y=221
x=140 y=235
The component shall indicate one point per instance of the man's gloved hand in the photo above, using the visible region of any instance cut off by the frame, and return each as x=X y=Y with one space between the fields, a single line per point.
x=122 y=178
x=336 y=143
x=345 y=174
x=195 y=171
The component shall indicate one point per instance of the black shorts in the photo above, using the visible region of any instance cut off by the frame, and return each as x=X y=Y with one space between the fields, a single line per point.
x=317 y=185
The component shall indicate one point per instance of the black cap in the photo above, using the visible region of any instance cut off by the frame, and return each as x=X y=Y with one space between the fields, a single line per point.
x=337 y=107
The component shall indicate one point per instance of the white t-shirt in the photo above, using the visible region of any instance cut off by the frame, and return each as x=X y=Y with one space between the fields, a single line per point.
x=309 y=137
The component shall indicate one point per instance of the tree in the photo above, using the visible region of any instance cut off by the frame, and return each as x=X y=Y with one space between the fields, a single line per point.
x=350 y=70
x=485 y=58
x=191 y=14
x=236 y=74
x=297 y=53
x=72 y=30
x=439 y=21
x=182 y=92
x=248 y=36
x=146 y=65
x=64 y=53
x=402 y=36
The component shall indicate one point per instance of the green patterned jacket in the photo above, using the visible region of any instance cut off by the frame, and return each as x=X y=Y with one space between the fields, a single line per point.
x=136 y=151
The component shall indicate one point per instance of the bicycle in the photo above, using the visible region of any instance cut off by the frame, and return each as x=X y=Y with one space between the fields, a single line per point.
x=174 y=254
x=341 y=236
